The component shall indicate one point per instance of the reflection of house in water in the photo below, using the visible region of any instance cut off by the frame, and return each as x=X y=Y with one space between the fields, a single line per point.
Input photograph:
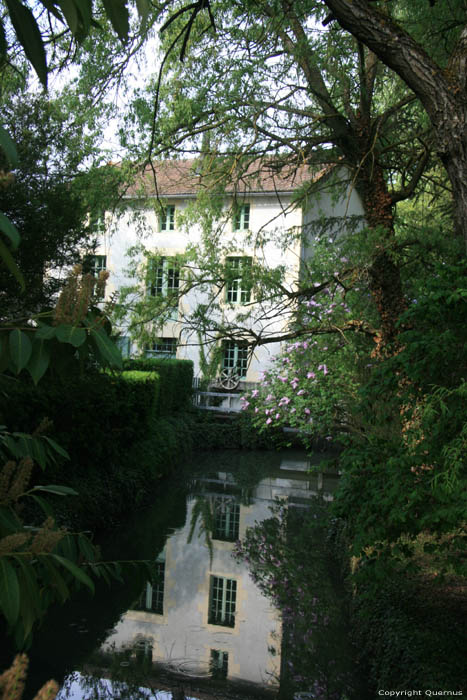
x=201 y=615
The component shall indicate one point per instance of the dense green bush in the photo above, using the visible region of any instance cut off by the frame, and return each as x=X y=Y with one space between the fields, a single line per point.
x=118 y=444
x=176 y=379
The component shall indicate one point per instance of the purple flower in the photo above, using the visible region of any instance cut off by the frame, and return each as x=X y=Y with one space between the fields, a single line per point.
x=310 y=375
x=307 y=411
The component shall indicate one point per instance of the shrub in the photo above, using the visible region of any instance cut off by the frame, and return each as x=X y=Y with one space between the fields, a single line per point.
x=176 y=379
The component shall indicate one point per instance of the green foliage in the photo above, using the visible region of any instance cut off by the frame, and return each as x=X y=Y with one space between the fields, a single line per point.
x=175 y=377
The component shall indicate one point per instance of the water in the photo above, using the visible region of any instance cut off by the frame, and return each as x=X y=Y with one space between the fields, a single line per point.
x=200 y=628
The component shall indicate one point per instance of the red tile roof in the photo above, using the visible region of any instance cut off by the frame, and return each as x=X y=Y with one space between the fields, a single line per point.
x=183 y=177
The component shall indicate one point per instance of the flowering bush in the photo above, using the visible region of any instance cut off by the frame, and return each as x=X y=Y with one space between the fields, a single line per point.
x=304 y=391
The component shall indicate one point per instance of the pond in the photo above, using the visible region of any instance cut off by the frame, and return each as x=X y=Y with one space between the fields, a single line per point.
x=200 y=628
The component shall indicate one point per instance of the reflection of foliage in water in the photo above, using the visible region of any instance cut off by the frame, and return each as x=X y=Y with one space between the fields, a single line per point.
x=245 y=471
x=288 y=559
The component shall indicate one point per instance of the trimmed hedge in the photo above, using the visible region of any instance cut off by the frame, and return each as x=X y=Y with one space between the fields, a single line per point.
x=176 y=379
x=119 y=444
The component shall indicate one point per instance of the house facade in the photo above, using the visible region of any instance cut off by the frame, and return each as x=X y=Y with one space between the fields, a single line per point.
x=260 y=223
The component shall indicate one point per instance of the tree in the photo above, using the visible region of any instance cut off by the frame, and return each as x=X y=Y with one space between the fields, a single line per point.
x=46 y=199
x=296 y=94
x=437 y=81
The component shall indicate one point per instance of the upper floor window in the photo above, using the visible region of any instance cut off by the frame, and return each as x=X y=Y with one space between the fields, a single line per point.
x=238 y=280
x=167 y=218
x=164 y=277
x=222 y=601
x=93 y=264
x=241 y=220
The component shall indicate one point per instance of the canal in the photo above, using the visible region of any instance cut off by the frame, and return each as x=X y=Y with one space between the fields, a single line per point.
x=200 y=627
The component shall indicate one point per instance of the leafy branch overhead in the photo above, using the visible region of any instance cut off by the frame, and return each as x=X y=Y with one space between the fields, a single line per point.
x=75 y=16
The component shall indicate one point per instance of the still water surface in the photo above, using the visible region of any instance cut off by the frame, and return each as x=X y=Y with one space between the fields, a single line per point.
x=200 y=628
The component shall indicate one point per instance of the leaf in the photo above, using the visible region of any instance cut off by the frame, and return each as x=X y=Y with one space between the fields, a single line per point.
x=6 y=142
x=71 y=15
x=55 y=446
x=117 y=12
x=74 y=335
x=45 y=507
x=45 y=332
x=143 y=10
x=56 y=489
x=20 y=349
x=85 y=10
x=9 y=591
x=29 y=37
x=9 y=230
x=39 y=361
x=52 y=577
x=107 y=349
x=9 y=522
x=10 y=263
x=77 y=572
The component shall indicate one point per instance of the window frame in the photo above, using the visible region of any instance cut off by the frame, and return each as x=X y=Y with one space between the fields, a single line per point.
x=237 y=292
x=169 y=352
x=240 y=364
x=241 y=217
x=222 y=601
x=167 y=218
x=92 y=264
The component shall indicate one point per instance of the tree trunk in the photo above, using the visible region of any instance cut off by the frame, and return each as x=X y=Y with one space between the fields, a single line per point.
x=384 y=275
x=442 y=92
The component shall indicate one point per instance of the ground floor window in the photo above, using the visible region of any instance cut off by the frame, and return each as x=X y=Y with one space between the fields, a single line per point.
x=219 y=663
x=165 y=347
x=235 y=357
x=152 y=597
x=222 y=601
x=227 y=520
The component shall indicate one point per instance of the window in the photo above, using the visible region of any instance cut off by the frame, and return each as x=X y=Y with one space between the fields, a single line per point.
x=164 y=277
x=238 y=282
x=219 y=663
x=227 y=520
x=152 y=597
x=93 y=264
x=222 y=601
x=167 y=218
x=241 y=220
x=165 y=347
x=123 y=343
x=235 y=357
x=164 y=281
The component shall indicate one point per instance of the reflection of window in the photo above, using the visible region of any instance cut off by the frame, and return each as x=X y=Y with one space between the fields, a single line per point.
x=235 y=357
x=152 y=597
x=241 y=220
x=165 y=347
x=93 y=264
x=227 y=520
x=222 y=601
x=238 y=284
x=219 y=663
x=167 y=218
x=143 y=650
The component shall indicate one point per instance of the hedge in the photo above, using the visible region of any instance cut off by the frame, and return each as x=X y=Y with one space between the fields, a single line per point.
x=176 y=379
x=110 y=425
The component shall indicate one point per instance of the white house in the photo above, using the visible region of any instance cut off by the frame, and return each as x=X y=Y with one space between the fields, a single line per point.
x=261 y=221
